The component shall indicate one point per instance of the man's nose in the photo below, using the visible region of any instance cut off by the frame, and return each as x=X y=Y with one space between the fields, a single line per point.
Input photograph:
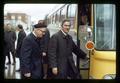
x=67 y=28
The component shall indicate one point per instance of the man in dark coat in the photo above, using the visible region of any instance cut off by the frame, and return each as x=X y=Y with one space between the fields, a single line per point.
x=44 y=46
x=60 y=55
x=10 y=37
x=31 y=54
x=6 y=49
x=21 y=36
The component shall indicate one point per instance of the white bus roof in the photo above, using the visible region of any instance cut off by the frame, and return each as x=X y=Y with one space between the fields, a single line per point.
x=58 y=6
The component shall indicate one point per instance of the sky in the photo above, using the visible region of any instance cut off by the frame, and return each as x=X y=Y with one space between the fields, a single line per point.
x=36 y=11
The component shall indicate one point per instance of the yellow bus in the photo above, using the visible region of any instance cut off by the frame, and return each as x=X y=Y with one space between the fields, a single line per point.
x=93 y=30
x=103 y=54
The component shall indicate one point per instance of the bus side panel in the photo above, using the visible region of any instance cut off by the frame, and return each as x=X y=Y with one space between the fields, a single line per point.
x=100 y=65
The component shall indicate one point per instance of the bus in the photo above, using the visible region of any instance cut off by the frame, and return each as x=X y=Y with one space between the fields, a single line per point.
x=93 y=30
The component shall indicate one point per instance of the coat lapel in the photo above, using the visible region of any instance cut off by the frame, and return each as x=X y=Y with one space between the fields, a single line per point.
x=35 y=41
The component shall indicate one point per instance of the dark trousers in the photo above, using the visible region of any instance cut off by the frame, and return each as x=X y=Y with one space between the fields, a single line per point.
x=70 y=73
x=8 y=56
x=45 y=68
x=13 y=56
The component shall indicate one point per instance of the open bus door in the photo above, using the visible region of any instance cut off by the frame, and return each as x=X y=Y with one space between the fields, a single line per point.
x=84 y=34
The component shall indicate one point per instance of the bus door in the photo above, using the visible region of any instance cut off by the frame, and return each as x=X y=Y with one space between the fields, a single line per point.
x=84 y=34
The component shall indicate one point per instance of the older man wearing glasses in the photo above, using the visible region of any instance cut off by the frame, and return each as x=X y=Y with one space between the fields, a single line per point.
x=31 y=54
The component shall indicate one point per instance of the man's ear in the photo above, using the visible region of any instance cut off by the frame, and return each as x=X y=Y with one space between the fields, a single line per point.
x=61 y=25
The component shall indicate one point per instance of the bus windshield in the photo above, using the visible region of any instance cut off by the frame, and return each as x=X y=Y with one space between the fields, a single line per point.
x=105 y=27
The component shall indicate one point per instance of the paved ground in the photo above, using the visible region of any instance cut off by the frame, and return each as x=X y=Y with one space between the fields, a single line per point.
x=10 y=72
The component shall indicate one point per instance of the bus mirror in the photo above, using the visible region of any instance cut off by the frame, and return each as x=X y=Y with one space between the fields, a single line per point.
x=89 y=45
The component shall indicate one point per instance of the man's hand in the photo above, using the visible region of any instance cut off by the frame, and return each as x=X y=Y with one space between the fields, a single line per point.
x=55 y=70
x=44 y=54
x=27 y=75
x=86 y=58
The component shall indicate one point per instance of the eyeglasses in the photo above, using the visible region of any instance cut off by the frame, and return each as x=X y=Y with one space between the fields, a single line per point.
x=42 y=31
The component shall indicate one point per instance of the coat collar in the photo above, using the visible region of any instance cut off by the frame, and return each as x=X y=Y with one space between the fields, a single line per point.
x=64 y=36
x=34 y=37
x=34 y=34
x=63 y=32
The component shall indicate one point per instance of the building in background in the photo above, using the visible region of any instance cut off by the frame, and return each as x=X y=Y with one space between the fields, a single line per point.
x=18 y=18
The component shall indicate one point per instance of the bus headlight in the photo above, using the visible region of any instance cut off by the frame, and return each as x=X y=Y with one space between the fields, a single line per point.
x=109 y=76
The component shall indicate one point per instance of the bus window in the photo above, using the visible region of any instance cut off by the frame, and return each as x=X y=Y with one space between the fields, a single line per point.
x=72 y=13
x=63 y=13
x=56 y=17
x=105 y=38
x=52 y=19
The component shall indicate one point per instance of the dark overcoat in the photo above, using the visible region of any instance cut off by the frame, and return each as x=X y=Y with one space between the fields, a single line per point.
x=60 y=55
x=6 y=44
x=31 y=57
x=10 y=37
x=21 y=36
